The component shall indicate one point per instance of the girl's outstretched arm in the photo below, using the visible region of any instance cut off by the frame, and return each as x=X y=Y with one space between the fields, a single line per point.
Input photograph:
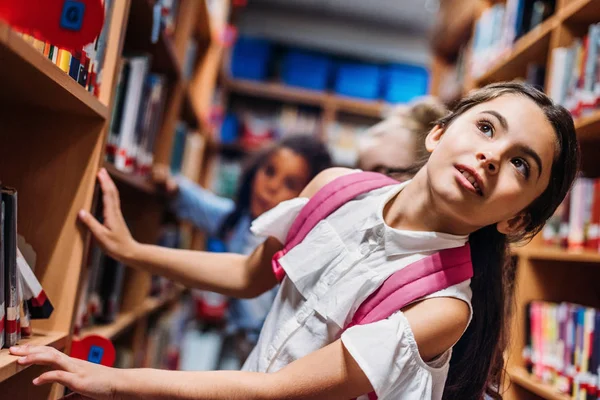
x=329 y=373
x=231 y=274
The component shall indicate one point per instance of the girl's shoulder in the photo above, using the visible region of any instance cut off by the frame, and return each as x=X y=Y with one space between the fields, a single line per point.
x=323 y=178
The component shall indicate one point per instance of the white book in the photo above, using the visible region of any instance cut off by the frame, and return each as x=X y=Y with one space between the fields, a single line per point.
x=126 y=148
x=558 y=72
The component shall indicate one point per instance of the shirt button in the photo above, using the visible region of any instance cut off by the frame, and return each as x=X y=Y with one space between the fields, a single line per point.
x=364 y=248
x=329 y=279
x=379 y=231
x=271 y=353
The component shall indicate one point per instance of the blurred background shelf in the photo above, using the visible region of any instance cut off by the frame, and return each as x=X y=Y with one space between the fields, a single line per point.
x=138 y=182
x=126 y=320
x=521 y=377
x=532 y=46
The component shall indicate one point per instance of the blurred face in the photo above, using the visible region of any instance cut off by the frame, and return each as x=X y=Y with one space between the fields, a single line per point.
x=389 y=148
x=492 y=162
x=281 y=178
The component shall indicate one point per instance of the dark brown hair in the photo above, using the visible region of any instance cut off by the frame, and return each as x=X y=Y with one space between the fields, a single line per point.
x=477 y=359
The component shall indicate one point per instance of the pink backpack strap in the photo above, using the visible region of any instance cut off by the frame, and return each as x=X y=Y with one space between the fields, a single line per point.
x=423 y=277
x=328 y=199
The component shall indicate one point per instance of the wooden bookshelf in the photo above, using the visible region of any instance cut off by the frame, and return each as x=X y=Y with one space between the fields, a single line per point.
x=557 y=254
x=137 y=182
x=138 y=39
x=521 y=377
x=289 y=94
x=588 y=127
x=127 y=319
x=8 y=362
x=532 y=46
x=53 y=144
x=576 y=11
x=39 y=82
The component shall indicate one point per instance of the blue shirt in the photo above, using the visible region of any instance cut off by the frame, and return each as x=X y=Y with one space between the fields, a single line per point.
x=207 y=211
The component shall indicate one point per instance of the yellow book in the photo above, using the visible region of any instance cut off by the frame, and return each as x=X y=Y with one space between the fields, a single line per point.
x=64 y=60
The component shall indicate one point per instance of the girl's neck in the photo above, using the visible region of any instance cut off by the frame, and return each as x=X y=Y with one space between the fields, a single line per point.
x=415 y=208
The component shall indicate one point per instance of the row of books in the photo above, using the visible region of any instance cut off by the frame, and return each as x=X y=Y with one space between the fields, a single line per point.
x=187 y=155
x=137 y=115
x=104 y=280
x=164 y=18
x=85 y=65
x=100 y=299
x=500 y=25
x=576 y=223
x=161 y=346
x=22 y=298
x=576 y=73
x=563 y=347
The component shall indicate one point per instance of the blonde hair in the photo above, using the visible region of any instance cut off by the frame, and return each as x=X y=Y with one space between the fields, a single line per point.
x=417 y=117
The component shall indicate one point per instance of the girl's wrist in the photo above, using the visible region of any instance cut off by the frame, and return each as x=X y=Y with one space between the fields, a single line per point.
x=132 y=253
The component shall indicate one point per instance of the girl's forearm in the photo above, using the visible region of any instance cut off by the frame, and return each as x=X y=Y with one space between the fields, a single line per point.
x=230 y=274
x=153 y=384
x=217 y=272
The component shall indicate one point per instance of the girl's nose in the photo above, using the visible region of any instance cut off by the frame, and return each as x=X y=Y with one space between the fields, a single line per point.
x=488 y=161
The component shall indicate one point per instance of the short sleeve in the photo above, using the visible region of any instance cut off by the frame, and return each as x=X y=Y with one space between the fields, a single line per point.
x=200 y=206
x=277 y=221
x=387 y=353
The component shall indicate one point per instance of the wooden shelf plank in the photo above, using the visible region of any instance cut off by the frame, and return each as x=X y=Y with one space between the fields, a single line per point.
x=27 y=77
x=189 y=112
x=126 y=320
x=521 y=377
x=138 y=182
x=582 y=12
x=588 y=127
x=557 y=254
x=281 y=92
x=8 y=363
x=529 y=48
x=203 y=24
x=138 y=39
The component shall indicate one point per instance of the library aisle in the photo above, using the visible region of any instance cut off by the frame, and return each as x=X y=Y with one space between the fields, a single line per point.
x=176 y=94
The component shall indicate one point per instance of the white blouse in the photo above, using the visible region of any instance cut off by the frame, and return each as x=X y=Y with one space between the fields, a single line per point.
x=344 y=259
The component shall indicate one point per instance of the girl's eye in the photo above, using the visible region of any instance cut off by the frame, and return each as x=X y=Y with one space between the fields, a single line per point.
x=486 y=128
x=269 y=170
x=522 y=166
x=292 y=185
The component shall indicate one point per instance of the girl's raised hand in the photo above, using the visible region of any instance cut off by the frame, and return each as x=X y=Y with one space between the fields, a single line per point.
x=114 y=236
x=90 y=380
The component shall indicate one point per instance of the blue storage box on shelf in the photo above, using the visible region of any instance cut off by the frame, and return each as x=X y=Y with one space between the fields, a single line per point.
x=229 y=129
x=358 y=80
x=404 y=82
x=250 y=58
x=306 y=69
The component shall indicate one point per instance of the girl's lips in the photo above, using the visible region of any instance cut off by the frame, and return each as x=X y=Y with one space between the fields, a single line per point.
x=464 y=182
x=472 y=175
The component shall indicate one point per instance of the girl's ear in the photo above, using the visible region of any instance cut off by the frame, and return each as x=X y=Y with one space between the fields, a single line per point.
x=513 y=225
x=433 y=137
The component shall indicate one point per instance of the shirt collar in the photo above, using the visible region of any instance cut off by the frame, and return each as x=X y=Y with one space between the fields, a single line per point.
x=400 y=242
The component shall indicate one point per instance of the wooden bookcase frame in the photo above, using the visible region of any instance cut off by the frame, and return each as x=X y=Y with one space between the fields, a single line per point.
x=53 y=142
